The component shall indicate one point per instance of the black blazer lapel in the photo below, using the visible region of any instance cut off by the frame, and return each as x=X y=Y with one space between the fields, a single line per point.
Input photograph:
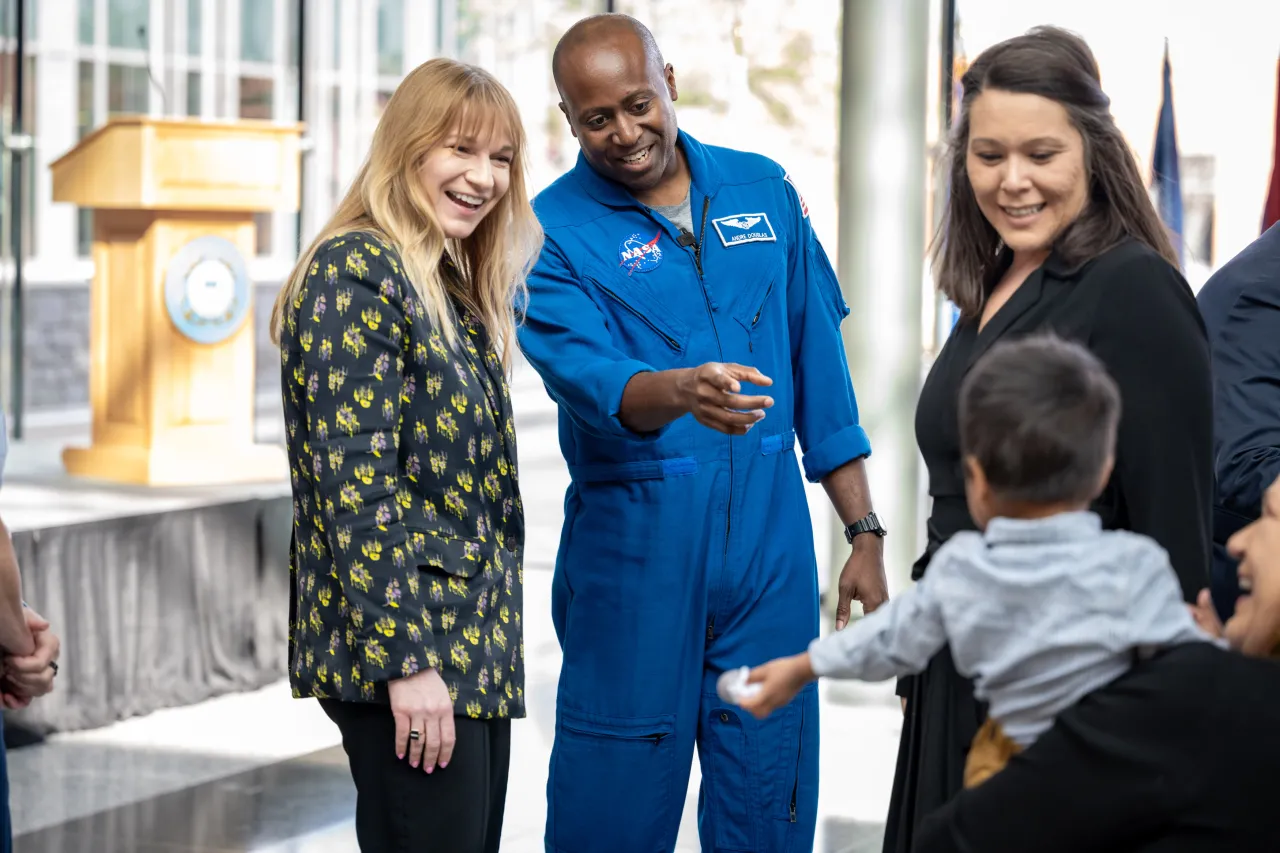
x=1026 y=297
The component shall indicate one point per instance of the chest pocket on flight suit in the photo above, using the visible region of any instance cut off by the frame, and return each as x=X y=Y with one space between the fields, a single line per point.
x=642 y=327
x=762 y=299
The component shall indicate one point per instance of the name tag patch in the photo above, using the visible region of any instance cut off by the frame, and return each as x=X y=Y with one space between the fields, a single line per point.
x=742 y=228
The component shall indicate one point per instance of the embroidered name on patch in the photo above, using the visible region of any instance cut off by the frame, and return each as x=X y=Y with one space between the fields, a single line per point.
x=639 y=253
x=744 y=228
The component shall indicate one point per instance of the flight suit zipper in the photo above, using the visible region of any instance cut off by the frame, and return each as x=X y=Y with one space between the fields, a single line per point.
x=697 y=257
x=756 y=319
x=795 y=786
x=697 y=262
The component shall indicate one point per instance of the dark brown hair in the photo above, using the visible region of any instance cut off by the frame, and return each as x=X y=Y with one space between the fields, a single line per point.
x=1058 y=65
x=1040 y=417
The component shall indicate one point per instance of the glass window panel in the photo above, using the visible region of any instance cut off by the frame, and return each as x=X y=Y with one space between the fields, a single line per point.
x=256 y=97
x=127 y=89
x=256 y=36
x=291 y=32
x=84 y=124
x=9 y=16
x=29 y=111
x=84 y=100
x=6 y=88
x=264 y=233
x=193 y=94
x=86 y=21
x=84 y=232
x=127 y=23
x=336 y=14
x=391 y=37
x=195 y=10
x=335 y=146
x=380 y=105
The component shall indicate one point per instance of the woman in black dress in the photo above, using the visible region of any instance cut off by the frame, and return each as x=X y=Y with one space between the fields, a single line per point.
x=1049 y=228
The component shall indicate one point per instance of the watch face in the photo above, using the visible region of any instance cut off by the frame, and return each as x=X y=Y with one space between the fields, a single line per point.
x=206 y=290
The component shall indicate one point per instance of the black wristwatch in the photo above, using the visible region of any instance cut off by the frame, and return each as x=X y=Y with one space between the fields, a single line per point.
x=870 y=524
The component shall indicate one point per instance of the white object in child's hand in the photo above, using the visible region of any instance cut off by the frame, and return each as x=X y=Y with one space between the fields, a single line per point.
x=732 y=686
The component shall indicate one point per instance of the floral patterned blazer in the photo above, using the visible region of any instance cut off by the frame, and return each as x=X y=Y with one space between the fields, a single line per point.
x=408 y=529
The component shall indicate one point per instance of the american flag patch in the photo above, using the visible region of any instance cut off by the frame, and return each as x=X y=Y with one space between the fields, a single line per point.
x=804 y=208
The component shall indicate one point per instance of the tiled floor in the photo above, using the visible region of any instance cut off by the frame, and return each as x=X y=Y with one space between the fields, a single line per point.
x=262 y=772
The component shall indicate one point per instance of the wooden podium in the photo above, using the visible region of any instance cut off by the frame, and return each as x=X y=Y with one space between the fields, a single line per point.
x=172 y=337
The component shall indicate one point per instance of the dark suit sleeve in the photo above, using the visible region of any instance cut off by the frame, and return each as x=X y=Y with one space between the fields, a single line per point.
x=1149 y=333
x=1246 y=363
x=1107 y=774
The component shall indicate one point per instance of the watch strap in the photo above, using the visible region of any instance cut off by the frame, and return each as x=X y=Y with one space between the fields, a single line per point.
x=868 y=524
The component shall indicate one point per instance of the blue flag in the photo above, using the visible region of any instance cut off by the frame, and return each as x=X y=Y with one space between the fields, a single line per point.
x=1164 y=165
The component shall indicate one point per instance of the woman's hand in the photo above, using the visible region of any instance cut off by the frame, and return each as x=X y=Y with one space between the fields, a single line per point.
x=780 y=680
x=31 y=676
x=424 y=719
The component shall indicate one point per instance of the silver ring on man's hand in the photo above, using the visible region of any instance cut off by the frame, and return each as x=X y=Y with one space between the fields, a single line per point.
x=414 y=734
x=54 y=664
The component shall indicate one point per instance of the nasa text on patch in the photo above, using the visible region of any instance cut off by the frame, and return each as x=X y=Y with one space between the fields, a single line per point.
x=640 y=253
x=744 y=228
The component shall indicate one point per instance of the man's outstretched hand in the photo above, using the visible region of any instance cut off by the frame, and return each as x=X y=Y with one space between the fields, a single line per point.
x=711 y=394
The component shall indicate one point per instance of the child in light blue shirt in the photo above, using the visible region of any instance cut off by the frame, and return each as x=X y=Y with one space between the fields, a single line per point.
x=1043 y=606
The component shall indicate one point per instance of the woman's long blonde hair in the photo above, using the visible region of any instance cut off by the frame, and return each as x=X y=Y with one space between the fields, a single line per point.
x=386 y=199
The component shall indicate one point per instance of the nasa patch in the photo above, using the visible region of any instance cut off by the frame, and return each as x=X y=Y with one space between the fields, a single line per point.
x=639 y=253
x=804 y=208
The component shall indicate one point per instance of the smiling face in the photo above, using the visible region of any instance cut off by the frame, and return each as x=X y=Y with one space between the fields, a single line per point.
x=1255 y=627
x=618 y=100
x=464 y=177
x=1026 y=164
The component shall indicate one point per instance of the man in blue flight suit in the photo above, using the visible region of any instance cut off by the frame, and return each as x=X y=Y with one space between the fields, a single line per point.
x=677 y=280
x=1240 y=304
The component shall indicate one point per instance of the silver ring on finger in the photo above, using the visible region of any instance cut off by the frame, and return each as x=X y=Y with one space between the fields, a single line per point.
x=414 y=734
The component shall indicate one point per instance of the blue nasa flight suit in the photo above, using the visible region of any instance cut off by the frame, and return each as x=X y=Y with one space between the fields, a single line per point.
x=685 y=552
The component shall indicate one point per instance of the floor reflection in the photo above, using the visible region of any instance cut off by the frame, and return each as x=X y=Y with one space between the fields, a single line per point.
x=275 y=807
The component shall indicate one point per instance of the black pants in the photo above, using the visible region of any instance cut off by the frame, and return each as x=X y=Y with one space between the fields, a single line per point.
x=401 y=808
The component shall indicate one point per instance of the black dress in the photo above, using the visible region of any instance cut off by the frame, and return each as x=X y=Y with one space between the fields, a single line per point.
x=1138 y=315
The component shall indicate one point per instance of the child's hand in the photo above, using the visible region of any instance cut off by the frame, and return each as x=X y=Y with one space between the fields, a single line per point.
x=780 y=680
x=1205 y=614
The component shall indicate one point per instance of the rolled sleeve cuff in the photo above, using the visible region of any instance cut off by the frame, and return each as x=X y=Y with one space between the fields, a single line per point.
x=845 y=446
x=613 y=384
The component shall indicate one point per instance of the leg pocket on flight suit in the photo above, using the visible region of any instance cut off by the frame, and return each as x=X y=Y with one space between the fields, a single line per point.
x=750 y=782
x=611 y=783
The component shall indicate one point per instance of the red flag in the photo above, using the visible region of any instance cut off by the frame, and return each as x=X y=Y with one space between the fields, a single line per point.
x=1272 y=213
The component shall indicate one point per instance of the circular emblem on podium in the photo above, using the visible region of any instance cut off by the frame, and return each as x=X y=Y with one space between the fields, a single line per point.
x=206 y=290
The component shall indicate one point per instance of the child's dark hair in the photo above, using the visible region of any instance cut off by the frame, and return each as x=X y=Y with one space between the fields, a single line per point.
x=1040 y=416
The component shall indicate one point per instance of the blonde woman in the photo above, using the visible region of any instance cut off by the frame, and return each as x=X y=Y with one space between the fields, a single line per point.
x=395 y=331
